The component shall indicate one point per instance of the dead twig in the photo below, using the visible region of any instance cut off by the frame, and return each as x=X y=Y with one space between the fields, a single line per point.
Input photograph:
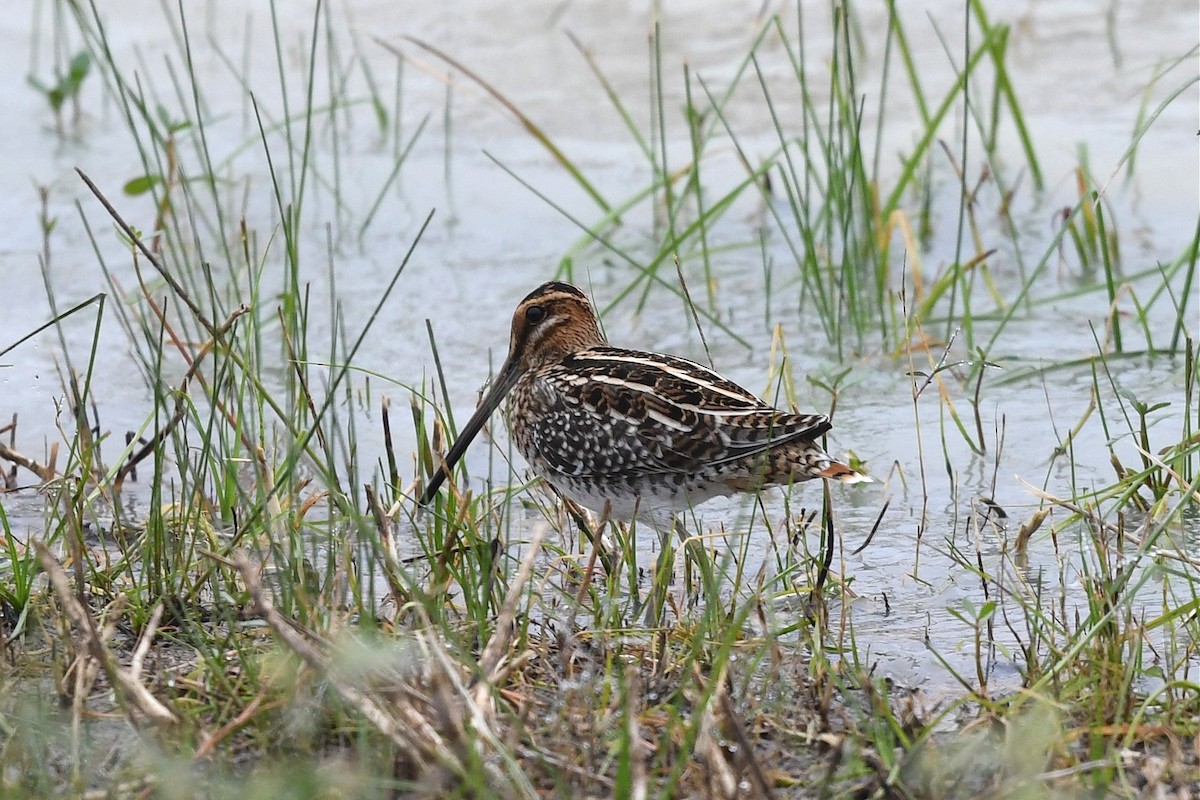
x=418 y=740
x=176 y=287
x=497 y=648
x=135 y=698
x=722 y=780
x=44 y=473
x=383 y=526
x=749 y=762
x=208 y=745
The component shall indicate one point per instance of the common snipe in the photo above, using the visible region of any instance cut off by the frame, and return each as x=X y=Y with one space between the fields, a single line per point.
x=651 y=434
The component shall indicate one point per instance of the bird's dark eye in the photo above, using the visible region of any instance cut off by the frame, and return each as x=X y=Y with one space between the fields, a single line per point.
x=535 y=314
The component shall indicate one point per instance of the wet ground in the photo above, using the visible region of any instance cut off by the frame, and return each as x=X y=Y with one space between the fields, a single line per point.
x=1081 y=76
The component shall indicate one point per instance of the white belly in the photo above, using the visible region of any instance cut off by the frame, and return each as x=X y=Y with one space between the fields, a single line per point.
x=656 y=505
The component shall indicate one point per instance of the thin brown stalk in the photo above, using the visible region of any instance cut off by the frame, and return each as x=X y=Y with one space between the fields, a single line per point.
x=383 y=526
x=44 y=473
x=709 y=750
x=180 y=408
x=210 y=743
x=637 y=750
x=499 y=644
x=735 y=731
x=135 y=698
x=418 y=740
x=176 y=287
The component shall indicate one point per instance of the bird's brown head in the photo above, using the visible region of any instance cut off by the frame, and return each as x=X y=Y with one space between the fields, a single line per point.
x=553 y=320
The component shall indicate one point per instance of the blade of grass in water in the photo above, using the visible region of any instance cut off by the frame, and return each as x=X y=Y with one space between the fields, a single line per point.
x=647 y=270
x=528 y=124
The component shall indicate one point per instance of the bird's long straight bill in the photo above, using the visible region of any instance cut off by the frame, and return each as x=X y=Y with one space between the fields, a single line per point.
x=503 y=382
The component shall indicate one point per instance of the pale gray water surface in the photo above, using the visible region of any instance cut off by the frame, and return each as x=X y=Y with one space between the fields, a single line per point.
x=1081 y=77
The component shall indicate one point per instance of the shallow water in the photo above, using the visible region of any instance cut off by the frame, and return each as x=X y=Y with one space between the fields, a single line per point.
x=1080 y=78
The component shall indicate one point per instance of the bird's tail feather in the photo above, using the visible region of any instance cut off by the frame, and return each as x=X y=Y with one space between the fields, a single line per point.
x=838 y=471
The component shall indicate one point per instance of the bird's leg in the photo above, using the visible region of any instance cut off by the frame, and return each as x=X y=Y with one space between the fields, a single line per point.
x=680 y=529
x=592 y=531
x=597 y=543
